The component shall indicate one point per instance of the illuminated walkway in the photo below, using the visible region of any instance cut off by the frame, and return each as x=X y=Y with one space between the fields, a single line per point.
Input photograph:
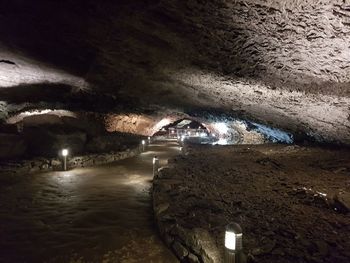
x=89 y=214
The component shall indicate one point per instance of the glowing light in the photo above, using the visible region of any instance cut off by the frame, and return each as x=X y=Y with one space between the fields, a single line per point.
x=64 y=152
x=173 y=132
x=155 y=159
x=230 y=240
x=188 y=133
x=221 y=142
x=155 y=165
x=233 y=237
x=161 y=124
x=143 y=142
x=203 y=134
x=221 y=127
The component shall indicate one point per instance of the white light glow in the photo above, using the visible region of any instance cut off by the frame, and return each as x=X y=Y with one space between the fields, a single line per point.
x=155 y=159
x=221 y=142
x=64 y=152
x=143 y=142
x=221 y=127
x=161 y=124
x=203 y=134
x=230 y=240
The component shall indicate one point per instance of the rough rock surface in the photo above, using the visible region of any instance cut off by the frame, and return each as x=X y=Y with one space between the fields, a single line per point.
x=46 y=133
x=284 y=63
x=49 y=140
x=292 y=202
x=11 y=146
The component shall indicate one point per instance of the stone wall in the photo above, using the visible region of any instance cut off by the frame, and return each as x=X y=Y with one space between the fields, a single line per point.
x=50 y=164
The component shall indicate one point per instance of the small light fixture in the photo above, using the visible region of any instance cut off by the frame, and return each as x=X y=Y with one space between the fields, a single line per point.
x=143 y=142
x=233 y=243
x=155 y=165
x=64 y=153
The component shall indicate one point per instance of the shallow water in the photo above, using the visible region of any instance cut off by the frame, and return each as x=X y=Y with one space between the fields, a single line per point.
x=96 y=214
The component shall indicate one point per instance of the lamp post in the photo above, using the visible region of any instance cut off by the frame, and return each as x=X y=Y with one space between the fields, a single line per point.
x=233 y=243
x=143 y=145
x=149 y=140
x=155 y=165
x=64 y=154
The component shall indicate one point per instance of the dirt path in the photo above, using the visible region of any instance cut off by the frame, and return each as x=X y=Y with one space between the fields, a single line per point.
x=93 y=214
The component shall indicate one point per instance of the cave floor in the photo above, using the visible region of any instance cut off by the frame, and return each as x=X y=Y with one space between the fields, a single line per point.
x=96 y=214
x=292 y=202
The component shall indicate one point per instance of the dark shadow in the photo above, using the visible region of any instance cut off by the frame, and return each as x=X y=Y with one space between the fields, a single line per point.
x=49 y=92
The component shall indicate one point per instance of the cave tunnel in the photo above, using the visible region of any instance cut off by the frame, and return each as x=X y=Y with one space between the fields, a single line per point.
x=151 y=131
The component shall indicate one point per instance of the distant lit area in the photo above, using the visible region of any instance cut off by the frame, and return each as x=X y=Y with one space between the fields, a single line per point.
x=225 y=132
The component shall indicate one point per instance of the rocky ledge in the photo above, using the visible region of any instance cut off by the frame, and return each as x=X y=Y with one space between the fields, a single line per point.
x=292 y=202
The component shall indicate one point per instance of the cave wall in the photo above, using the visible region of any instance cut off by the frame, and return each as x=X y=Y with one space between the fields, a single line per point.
x=46 y=132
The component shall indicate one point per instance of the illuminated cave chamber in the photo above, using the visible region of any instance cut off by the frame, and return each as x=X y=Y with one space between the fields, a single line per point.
x=222 y=131
x=183 y=127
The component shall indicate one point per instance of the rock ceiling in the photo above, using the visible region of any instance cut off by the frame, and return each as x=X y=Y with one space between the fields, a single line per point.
x=285 y=63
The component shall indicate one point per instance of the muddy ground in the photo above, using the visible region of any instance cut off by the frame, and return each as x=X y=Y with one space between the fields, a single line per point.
x=292 y=203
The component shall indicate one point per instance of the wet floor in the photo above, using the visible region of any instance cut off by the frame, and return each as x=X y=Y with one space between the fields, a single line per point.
x=96 y=214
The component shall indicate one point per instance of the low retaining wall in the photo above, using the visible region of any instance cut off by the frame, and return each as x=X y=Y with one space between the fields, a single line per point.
x=52 y=164
x=192 y=244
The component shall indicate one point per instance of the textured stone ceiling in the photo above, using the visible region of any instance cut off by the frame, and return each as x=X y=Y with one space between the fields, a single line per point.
x=285 y=63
